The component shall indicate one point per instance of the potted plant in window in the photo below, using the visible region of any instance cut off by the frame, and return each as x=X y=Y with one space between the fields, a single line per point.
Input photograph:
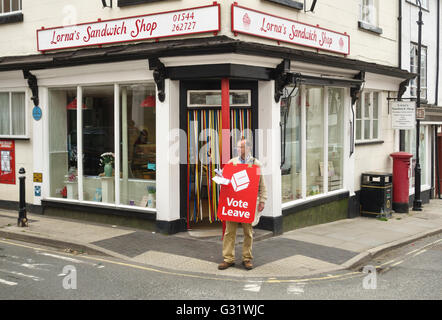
x=106 y=161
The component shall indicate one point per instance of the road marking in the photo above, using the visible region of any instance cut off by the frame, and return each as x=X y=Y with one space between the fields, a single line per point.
x=296 y=288
x=60 y=257
x=34 y=266
x=9 y=283
x=171 y=273
x=388 y=262
x=35 y=278
x=254 y=286
x=422 y=251
x=397 y=263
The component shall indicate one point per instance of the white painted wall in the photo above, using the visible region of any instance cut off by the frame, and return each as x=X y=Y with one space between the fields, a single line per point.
x=376 y=157
x=14 y=81
x=337 y=15
x=269 y=146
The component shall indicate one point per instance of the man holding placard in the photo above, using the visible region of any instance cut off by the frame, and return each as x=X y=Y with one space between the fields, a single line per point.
x=245 y=189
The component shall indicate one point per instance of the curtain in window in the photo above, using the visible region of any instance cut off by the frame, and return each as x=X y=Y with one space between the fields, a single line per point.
x=18 y=113
x=4 y=113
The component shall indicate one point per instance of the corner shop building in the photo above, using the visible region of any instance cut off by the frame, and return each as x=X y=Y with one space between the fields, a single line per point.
x=159 y=108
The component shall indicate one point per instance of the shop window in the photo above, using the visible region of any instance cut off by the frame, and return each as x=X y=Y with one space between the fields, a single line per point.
x=314 y=106
x=368 y=117
x=414 y=69
x=335 y=138
x=98 y=143
x=312 y=141
x=138 y=148
x=97 y=179
x=12 y=114
x=291 y=145
x=63 y=143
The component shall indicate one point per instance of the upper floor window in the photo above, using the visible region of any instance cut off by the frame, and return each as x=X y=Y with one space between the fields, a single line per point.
x=368 y=12
x=413 y=69
x=7 y=6
x=124 y=3
x=368 y=16
x=424 y=3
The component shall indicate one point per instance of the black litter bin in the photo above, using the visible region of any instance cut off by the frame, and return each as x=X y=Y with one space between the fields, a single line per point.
x=376 y=194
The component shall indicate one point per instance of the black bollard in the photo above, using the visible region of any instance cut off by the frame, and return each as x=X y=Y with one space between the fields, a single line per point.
x=22 y=219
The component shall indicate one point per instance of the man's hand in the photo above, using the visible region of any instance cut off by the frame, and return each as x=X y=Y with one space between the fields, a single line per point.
x=261 y=206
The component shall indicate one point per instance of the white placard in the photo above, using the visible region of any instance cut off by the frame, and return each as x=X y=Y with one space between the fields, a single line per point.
x=403 y=115
x=152 y=26
x=265 y=25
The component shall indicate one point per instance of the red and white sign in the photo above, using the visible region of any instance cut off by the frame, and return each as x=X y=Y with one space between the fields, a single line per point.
x=7 y=161
x=260 y=24
x=151 y=26
x=237 y=200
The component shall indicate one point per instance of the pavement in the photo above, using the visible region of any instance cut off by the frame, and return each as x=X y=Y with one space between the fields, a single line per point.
x=340 y=245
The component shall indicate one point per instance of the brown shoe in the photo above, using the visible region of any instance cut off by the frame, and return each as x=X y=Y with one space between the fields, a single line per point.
x=224 y=265
x=248 y=265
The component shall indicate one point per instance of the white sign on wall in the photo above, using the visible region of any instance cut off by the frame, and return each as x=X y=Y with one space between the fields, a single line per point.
x=264 y=25
x=403 y=115
x=151 y=26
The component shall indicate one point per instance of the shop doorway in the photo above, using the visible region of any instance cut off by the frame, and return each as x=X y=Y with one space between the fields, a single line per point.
x=201 y=110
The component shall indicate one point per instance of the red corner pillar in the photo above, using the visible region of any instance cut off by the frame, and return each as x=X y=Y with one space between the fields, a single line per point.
x=225 y=115
x=401 y=181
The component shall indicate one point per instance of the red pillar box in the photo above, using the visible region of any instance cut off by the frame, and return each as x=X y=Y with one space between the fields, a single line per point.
x=401 y=182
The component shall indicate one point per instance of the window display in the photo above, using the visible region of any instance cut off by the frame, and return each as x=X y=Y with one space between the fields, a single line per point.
x=138 y=156
x=306 y=113
x=98 y=140
x=335 y=138
x=314 y=106
x=291 y=145
x=63 y=143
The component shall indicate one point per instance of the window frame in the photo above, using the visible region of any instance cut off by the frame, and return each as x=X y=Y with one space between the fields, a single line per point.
x=424 y=67
x=303 y=146
x=126 y=3
x=2 y=2
x=24 y=136
x=363 y=118
x=80 y=150
x=372 y=26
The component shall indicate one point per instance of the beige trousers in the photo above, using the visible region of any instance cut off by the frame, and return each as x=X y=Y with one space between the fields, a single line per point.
x=230 y=238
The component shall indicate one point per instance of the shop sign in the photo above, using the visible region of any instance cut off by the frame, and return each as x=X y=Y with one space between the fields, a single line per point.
x=403 y=115
x=420 y=113
x=152 y=26
x=237 y=199
x=264 y=25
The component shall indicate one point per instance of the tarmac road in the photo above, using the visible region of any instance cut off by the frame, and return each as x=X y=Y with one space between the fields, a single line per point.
x=28 y=271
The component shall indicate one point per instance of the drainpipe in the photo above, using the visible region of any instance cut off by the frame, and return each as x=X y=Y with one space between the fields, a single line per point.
x=436 y=100
x=401 y=132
